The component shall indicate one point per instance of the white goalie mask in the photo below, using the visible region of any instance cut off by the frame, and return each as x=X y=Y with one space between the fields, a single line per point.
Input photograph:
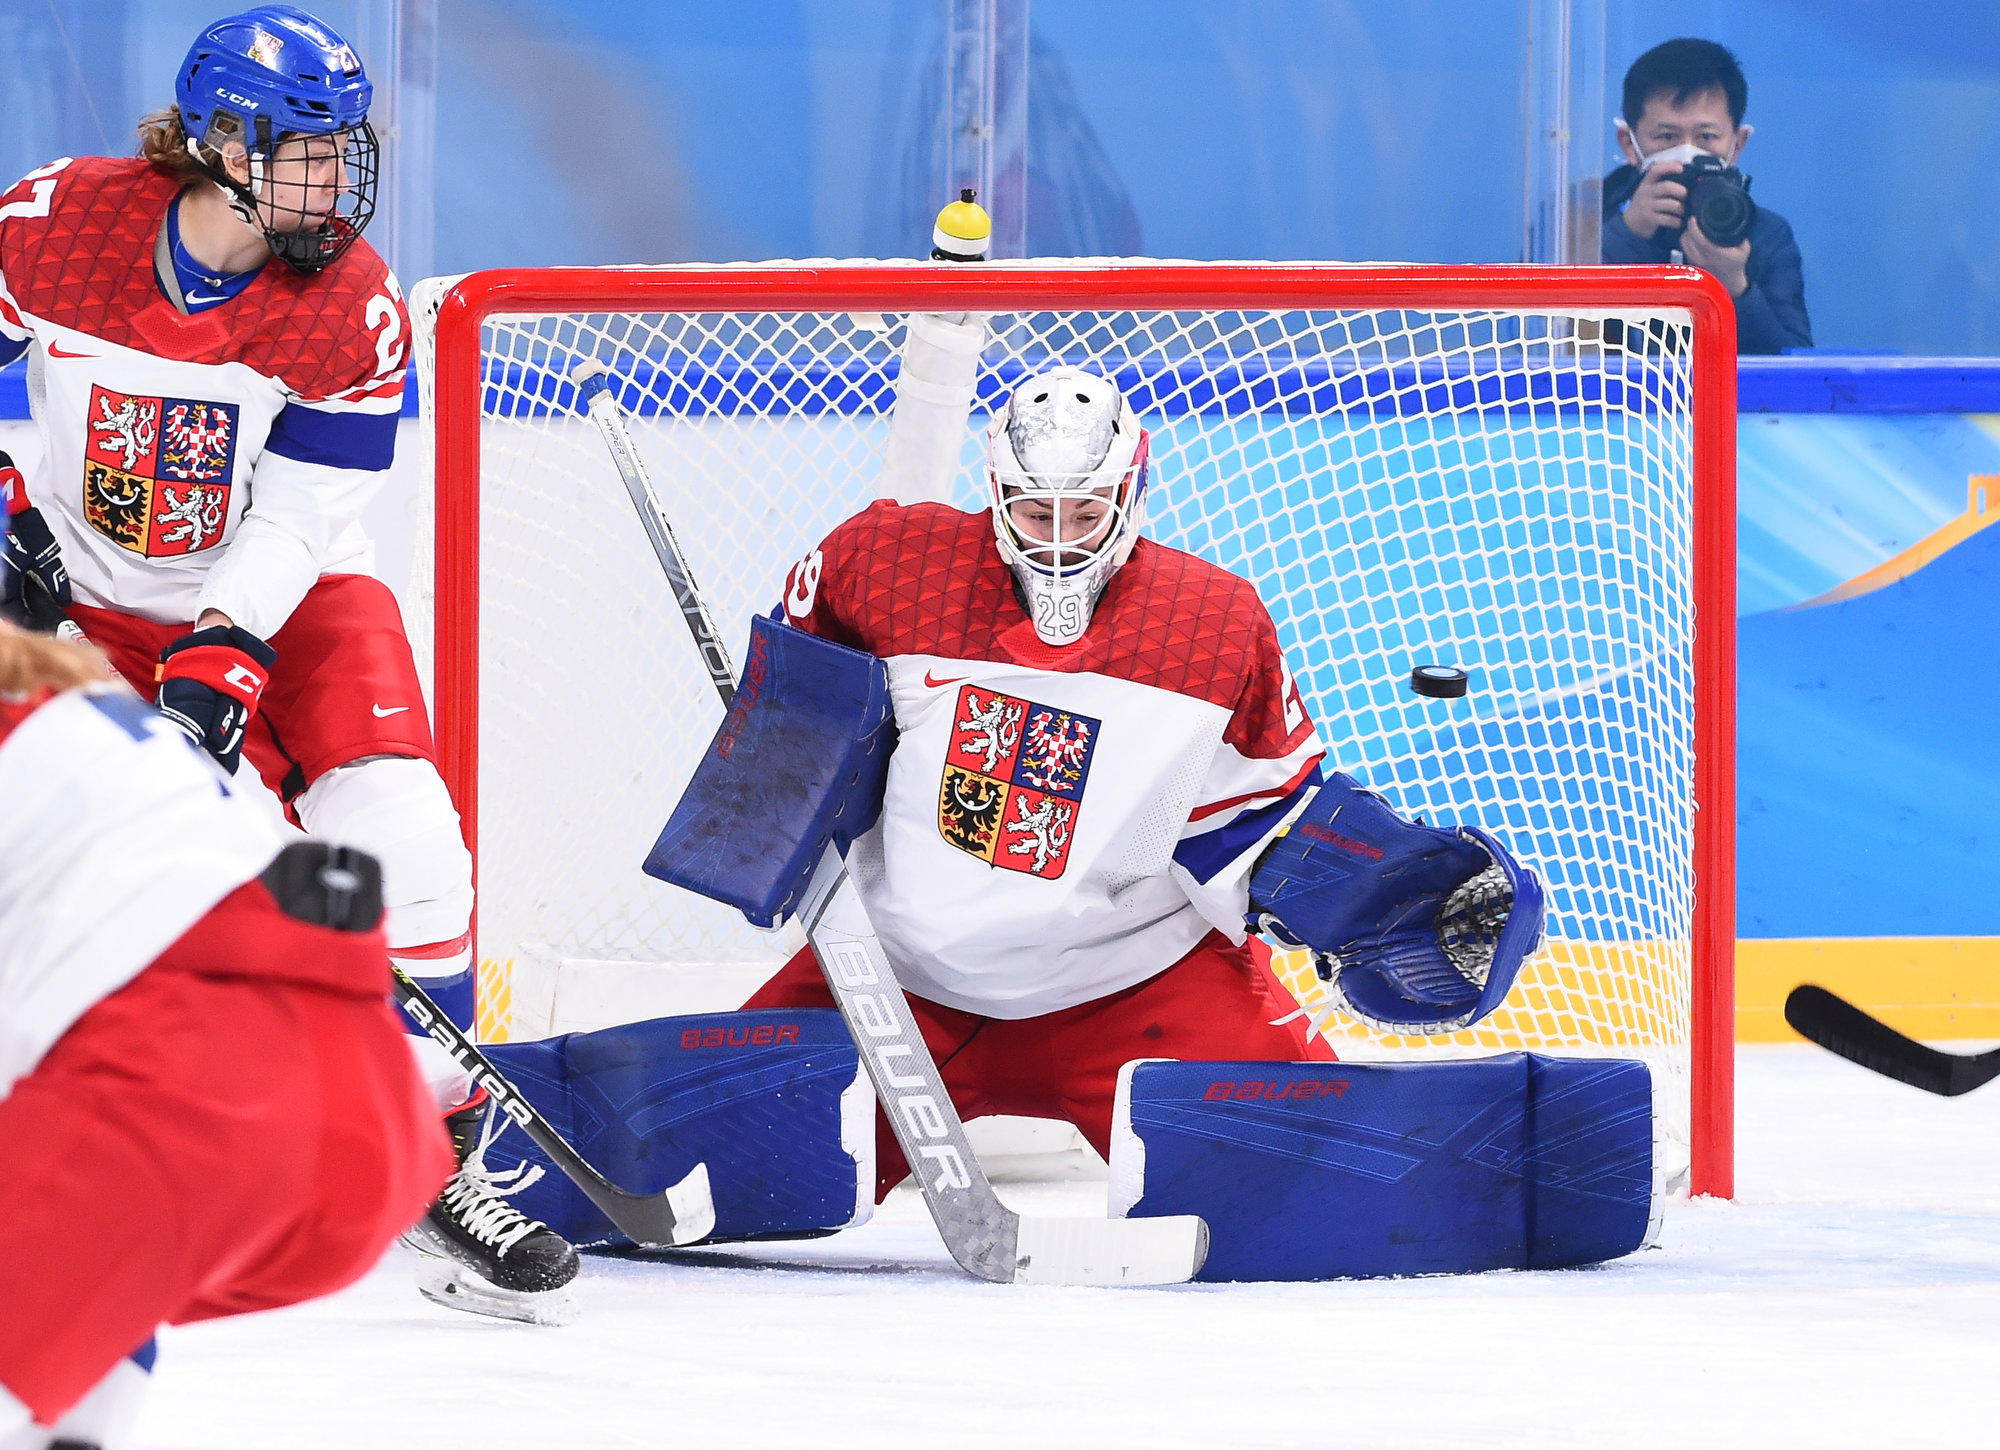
x=1066 y=466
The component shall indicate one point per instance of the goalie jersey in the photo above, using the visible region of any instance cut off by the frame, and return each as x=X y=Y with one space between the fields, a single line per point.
x=1059 y=824
x=220 y=460
x=119 y=835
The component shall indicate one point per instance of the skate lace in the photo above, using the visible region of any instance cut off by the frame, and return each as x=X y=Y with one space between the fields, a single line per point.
x=476 y=1194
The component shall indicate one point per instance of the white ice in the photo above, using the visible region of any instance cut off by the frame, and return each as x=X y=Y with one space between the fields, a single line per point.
x=1849 y=1296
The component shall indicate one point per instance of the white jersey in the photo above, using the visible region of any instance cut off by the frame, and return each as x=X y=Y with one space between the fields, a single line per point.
x=1059 y=824
x=220 y=460
x=118 y=836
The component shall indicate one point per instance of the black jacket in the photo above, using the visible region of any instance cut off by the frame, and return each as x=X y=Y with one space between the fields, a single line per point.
x=1771 y=313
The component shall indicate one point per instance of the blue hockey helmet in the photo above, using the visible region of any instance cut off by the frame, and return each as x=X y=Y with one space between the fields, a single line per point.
x=259 y=79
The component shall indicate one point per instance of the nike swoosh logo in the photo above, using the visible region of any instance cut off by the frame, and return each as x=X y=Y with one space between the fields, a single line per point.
x=381 y=714
x=55 y=351
x=218 y=297
x=940 y=684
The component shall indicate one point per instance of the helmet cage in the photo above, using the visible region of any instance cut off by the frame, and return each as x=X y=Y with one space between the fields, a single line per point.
x=1063 y=576
x=270 y=76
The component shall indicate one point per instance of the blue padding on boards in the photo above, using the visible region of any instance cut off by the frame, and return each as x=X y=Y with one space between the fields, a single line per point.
x=1325 y=1170
x=755 y=1095
x=800 y=759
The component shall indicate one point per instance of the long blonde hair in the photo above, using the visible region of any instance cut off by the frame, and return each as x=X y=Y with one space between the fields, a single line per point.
x=30 y=662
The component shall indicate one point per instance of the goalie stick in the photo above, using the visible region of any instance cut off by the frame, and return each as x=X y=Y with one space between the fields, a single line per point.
x=984 y=1236
x=1839 y=1026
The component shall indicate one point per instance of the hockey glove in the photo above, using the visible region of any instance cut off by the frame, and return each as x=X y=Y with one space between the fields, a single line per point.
x=34 y=586
x=210 y=682
x=1413 y=929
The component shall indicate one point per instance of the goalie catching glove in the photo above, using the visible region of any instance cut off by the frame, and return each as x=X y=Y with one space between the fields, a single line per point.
x=210 y=682
x=1413 y=929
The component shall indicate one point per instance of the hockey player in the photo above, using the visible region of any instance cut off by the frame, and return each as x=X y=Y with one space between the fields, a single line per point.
x=217 y=363
x=205 y=1105
x=1099 y=736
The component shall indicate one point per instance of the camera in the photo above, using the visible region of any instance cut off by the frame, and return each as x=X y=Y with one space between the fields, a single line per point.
x=1718 y=196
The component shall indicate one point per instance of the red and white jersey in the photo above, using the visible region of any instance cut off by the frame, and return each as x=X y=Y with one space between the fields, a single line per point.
x=215 y=461
x=118 y=836
x=1059 y=823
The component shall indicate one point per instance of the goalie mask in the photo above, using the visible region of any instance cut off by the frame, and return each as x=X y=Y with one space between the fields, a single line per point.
x=282 y=89
x=1066 y=467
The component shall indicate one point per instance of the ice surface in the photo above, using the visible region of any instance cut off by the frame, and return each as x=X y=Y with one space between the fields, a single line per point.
x=1849 y=1297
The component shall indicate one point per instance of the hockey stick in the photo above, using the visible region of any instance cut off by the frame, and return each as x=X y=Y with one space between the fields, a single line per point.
x=983 y=1235
x=1839 y=1026
x=680 y=1215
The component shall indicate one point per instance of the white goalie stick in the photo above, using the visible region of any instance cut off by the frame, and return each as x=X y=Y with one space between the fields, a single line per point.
x=983 y=1235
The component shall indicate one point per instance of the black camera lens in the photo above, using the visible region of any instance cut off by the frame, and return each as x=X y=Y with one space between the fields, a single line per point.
x=1718 y=196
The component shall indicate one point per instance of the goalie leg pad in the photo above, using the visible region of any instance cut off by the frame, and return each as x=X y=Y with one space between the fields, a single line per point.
x=801 y=759
x=776 y=1103
x=1327 y=1171
x=1414 y=928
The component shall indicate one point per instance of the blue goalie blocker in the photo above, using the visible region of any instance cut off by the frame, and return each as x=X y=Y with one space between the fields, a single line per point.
x=774 y=1102
x=1327 y=1170
x=800 y=760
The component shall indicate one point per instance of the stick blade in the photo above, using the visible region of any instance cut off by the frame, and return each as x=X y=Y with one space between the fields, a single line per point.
x=1839 y=1026
x=683 y=1214
x=1110 y=1251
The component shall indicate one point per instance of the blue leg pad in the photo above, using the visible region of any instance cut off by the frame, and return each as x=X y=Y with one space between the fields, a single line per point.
x=774 y=1102
x=1327 y=1170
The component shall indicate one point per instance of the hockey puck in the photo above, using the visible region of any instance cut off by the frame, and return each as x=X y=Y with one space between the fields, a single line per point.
x=1440 y=682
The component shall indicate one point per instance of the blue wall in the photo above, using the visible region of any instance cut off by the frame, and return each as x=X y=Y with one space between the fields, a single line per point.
x=662 y=130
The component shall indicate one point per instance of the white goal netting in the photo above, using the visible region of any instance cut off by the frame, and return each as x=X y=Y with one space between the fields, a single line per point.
x=1501 y=490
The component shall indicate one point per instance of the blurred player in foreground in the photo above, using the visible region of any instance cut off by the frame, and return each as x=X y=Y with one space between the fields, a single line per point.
x=1099 y=739
x=206 y=1106
x=218 y=362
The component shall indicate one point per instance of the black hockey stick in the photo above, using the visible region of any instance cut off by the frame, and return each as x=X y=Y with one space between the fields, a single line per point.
x=983 y=1235
x=681 y=1214
x=1839 y=1026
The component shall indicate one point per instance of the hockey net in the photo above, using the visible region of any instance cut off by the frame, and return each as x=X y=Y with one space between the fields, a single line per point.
x=1527 y=473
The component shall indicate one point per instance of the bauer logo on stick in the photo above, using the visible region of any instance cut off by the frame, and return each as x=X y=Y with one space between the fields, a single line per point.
x=1013 y=781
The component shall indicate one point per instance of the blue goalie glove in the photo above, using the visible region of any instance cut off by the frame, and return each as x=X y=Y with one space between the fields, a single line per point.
x=1412 y=928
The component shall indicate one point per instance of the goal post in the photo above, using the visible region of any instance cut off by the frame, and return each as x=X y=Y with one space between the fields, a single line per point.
x=1525 y=471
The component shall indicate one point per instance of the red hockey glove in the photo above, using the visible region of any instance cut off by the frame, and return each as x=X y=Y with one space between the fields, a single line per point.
x=210 y=682
x=34 y=586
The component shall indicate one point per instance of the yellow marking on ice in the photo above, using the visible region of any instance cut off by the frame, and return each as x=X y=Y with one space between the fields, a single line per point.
x=1982 y=508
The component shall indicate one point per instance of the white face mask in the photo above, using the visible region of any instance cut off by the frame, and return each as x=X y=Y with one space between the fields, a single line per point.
x=1683 y=153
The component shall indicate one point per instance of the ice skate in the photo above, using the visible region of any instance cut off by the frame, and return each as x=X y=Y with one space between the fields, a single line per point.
x=479 y=1253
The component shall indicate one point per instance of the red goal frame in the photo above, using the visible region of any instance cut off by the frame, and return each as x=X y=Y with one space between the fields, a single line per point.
x=1173 y=287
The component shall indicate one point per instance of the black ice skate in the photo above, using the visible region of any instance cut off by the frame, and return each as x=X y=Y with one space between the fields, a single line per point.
x=477 y=1252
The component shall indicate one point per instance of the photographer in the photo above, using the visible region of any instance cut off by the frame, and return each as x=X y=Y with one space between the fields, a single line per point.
x=1685 y=134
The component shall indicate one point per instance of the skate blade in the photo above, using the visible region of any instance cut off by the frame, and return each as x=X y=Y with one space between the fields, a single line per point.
x=452 y=1284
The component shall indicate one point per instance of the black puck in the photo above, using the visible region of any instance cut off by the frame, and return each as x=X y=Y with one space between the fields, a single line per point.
x=1440 y=682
